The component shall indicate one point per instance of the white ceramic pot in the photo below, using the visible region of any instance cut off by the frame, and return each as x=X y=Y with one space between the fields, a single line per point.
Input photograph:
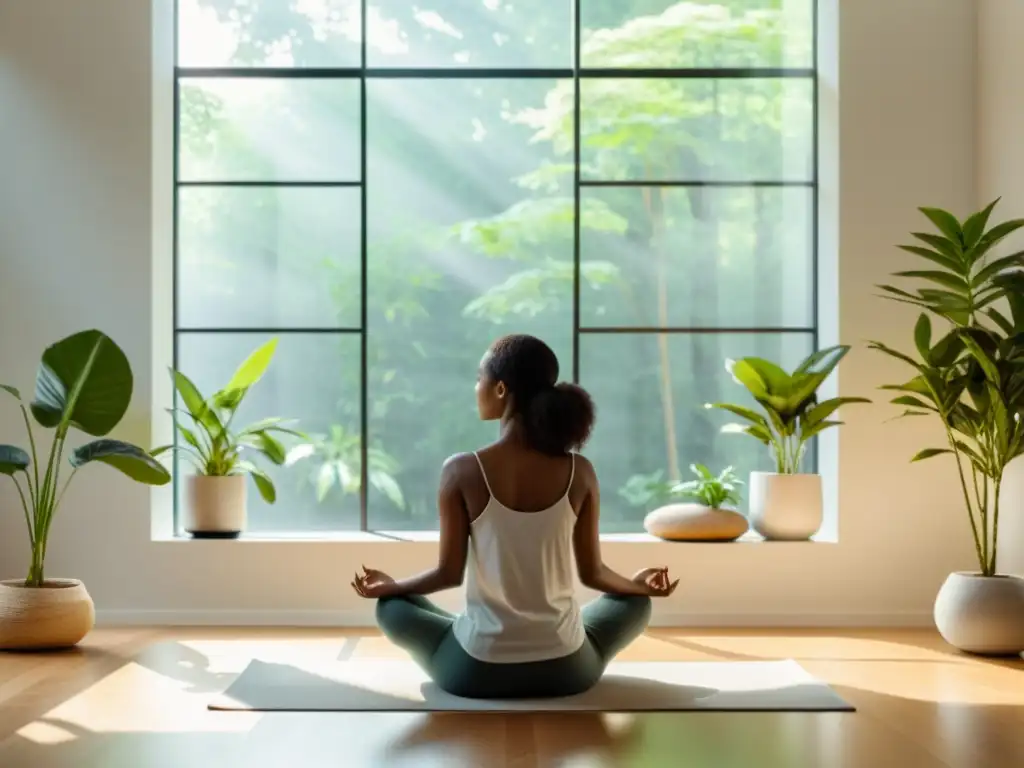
x=56 y=615
x=785 y=507
x=982 y=614
x=216 y=506
x=695 y=522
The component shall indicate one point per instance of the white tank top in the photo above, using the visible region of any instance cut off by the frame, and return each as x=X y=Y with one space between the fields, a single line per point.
x=520 y=590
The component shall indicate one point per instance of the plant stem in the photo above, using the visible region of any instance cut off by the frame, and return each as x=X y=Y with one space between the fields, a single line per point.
x=24 y=506
x=33 y=488
x=967 y=495
x=995 y=528
x=982 y=513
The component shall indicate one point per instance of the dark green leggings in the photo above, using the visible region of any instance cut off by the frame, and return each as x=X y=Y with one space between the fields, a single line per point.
x=417 y=625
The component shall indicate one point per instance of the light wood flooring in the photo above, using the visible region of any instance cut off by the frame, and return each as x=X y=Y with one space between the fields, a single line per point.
x=136 y=698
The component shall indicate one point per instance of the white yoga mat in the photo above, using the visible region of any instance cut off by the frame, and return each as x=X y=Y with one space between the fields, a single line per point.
x=401 y=686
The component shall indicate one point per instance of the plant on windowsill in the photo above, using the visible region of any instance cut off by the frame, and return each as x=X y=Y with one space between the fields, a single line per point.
x=218 y=451
x=786 y=505
x=708 y=515
x=971 y=378
x=84 y=382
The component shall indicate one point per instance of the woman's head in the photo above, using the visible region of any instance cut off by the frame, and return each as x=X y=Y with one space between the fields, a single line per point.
x=518 y=379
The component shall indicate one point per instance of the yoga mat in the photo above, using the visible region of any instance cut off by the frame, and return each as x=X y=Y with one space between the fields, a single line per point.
x=401 y=686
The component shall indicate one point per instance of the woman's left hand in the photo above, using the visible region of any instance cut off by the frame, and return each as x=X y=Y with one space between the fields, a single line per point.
x=373 y=584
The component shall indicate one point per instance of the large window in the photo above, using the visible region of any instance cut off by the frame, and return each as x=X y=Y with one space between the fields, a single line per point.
x=387 y=186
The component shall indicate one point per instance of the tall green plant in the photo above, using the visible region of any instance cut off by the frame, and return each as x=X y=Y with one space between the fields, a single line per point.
x=972 y=376
x=211 y=442
x=84 y=382
x=792 y=414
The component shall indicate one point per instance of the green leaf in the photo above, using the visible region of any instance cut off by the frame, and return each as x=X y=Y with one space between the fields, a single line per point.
x=927 y=453
x=701 y=471
x=953 y=282
x=986 y=363
x=754 y=430
x=274 y=423
x=923 y=335
x=265 y=485
x=974 y=227
x=879 y=346
x=824 y=409
x=125 y=457
x=777 y=380
x=1000 y=231
x=946 y=351
x=196 y=404
x=912 y=402
x=943 y=245
x=820 y=426
x=898 y=292
x=746 y=375
x=85 y=381
x=824 y=361
x=12 y=391
x=993 y=268
x=229 y=399
x=270 y=448
x=943 y=260
x=946 y=222
x=13 y=459
x=252 y=370
x=742 y=412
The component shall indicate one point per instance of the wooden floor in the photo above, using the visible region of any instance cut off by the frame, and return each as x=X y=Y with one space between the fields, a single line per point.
x=136 y=698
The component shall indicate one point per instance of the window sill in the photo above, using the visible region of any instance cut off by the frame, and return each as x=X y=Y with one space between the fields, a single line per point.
x=426 y=537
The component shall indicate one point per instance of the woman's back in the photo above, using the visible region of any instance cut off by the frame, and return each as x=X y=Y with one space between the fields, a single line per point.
x=520 y=603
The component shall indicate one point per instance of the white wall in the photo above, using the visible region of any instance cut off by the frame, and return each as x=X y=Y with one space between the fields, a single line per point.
x=76 y=230
x=1000 y=173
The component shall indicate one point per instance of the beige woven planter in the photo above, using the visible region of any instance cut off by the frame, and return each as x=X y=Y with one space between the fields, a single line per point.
x=56 y=615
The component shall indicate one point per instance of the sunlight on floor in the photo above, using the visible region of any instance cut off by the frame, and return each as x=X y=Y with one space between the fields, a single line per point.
x=137 y=699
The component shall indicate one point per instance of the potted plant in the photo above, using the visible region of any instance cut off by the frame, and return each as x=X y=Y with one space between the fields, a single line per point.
x=84 y=382
x=786 y=505
x=710 y=515
x=970 y=378
x=218 y=451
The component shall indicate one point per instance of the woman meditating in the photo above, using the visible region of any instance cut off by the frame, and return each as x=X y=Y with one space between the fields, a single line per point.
x=521 y=512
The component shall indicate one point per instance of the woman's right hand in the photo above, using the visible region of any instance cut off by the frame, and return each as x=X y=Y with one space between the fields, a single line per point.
x=655 y=581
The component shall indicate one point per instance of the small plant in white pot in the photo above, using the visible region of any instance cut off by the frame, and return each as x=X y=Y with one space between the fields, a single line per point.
x=84 y=383
x=786 y=505
x=218 y=450
x=971 y=379
x=710 y=514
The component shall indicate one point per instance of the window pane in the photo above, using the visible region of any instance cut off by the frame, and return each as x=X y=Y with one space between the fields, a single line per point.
x=281 y=33
x=697 y=257
x=470 y=237
x=707 y=33
x=315 y=379
x=470 y=33
x=650 y=391
x=759 y=129
x=269 y=130
x=268 y=257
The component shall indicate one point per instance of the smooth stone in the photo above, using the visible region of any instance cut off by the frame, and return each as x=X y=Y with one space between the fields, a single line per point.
x=695 y=522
